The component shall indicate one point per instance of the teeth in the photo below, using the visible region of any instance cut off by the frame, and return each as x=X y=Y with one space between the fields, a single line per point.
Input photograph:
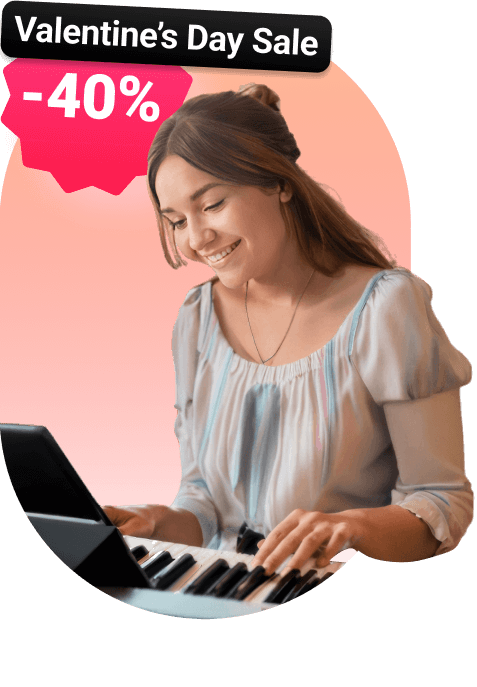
x=227 y=251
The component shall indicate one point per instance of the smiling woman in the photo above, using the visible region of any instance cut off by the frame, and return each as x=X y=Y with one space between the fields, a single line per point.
x=216 y=223
x=317 y=394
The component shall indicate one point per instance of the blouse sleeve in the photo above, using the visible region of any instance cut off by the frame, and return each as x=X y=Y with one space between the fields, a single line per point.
x=399 y=347
x=193 y=494
x=402 y=354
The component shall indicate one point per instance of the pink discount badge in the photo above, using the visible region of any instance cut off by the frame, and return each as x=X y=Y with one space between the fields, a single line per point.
x=90 y=123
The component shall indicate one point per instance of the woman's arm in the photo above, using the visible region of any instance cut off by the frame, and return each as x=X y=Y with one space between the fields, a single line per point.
x=157 y=522
x=427 y=438
x=389 y=533
x=194 y=497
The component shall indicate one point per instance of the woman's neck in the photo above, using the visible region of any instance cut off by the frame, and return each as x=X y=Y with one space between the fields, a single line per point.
x=286 y=282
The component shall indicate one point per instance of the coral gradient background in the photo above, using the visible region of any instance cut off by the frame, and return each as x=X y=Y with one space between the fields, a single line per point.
x=88 y=302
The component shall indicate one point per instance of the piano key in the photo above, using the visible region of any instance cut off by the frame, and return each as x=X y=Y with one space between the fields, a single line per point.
x=308 y=586
x=326 y=577
x=167 y=578
x=261 y=593
x=249 y=584
x=229 y=580
x=139 y=552
x=283 y=586
x=204 y=558
x=157 y=562
x=208 y=578
x=301 y=582
x=323 y=575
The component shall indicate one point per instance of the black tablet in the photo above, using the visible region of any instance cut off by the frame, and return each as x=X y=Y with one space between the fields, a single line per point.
x=63 y=512
x=43 y=478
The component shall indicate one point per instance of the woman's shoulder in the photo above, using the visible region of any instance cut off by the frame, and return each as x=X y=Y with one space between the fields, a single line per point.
x=385 y=289
x=356 y=286
x=398 y=345
x=194 y=315
x=391 y=298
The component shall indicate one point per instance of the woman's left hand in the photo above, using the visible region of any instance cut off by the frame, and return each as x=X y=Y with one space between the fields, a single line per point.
x=307 y=534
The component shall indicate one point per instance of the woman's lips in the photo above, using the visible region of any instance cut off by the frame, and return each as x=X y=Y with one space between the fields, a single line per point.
x=219 y=257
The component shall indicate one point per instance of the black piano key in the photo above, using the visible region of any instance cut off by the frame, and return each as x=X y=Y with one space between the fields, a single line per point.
x=156 y=563
x=301 y=582
x=314 y=583
x=208 y=578
x=282 y=587
x=229 y=580
x=309 y=586
x=249 y=584
x=139 y=552
x=176 y=570
x=326 y=577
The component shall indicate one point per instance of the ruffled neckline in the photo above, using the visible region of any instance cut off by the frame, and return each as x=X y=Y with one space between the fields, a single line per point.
x=302 y=365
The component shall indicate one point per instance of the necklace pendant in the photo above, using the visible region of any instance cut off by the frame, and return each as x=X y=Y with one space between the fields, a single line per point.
x=266 y=361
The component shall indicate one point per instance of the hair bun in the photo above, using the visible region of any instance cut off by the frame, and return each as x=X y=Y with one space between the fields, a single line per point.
x=261 y=93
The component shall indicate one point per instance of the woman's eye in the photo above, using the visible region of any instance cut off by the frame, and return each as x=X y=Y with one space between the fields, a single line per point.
x=177 y=225
x=180 y=224
x=215 y=205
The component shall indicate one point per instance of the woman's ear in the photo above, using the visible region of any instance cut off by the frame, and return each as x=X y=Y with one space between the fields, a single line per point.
x=286 y=192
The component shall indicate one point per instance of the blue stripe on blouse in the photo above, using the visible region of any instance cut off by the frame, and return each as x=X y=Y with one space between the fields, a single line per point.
x=330 y=384
x=214 y=406
x=256 y=444
x=359 y=309
x=212 y=341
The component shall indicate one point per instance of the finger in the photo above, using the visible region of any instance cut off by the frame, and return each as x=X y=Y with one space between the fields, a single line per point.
x=270 y=547
x=286 y=548
x=273 y=540
x=336 y=542
x=312 y=542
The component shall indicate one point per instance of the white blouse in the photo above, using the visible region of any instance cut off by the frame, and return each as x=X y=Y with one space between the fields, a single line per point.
x=258 y=441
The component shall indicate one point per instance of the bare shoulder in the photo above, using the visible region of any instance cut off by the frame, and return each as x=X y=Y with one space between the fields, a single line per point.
x=345 y=289
x=360 y=274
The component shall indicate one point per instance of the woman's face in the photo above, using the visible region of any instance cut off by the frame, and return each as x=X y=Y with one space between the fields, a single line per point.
x=237 y=230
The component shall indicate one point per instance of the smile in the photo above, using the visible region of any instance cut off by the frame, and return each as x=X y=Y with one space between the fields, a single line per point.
x=221 y=255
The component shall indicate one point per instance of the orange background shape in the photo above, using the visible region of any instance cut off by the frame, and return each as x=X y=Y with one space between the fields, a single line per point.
x=88 y=302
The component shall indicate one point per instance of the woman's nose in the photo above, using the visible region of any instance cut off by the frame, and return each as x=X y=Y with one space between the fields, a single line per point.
x=200 y=235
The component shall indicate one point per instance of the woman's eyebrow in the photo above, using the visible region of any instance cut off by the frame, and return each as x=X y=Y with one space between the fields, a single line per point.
x=197 y=194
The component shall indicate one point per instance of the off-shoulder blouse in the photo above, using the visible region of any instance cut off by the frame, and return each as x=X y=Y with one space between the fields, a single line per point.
x=258 y=441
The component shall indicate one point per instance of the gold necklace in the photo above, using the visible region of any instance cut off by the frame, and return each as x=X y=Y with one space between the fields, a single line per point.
x=291 y=322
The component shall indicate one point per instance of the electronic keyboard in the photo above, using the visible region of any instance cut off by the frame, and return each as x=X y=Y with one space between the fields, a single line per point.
x=213 y=582
x=162 y=577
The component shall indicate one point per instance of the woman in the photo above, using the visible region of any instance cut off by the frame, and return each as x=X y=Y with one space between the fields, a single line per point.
x=317 y=394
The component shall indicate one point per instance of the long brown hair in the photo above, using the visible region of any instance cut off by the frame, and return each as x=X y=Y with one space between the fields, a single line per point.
x=242 y=138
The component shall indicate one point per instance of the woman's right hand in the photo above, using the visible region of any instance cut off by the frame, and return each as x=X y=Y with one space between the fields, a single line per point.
x=162 y=523
x=137 y=521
